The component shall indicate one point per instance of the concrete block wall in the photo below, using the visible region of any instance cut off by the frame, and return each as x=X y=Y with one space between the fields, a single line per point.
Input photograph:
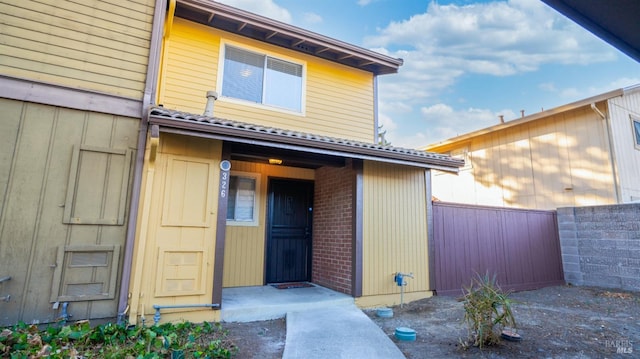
x=601 y=245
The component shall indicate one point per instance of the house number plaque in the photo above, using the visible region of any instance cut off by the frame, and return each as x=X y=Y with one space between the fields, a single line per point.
x=225 y=166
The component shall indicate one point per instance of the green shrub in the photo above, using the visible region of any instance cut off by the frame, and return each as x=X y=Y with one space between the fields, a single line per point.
x=487 y=310
x=204 y=340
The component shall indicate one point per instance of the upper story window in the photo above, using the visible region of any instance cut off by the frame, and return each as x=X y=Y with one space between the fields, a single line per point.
x=635 y=122
x=262 y=79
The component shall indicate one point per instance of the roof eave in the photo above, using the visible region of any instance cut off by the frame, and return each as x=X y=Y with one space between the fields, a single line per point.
x=230 y=132
x=554 y=111
x=358 y=57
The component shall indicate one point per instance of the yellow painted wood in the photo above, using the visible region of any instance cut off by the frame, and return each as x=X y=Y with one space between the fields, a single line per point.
x=559 y=161
x=95 y=45
x=339 y=99
x=175 y=246
x=37 y=143
x=387 y=300
x=244 y=253
x=394 y=229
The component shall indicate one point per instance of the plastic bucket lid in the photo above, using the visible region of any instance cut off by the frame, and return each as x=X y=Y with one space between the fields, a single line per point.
x=406 y=334
x=384 y=312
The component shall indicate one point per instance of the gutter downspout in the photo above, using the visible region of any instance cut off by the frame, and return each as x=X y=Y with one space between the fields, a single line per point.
x=375 y=109
x=148 y=98
x=612 y=156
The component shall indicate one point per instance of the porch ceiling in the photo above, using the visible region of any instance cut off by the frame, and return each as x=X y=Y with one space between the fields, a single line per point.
x=243 y=23
x=308 y=150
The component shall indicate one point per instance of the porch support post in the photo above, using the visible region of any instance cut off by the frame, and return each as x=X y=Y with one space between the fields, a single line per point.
x=431 y=245
x=357 y=208
x=221 y=226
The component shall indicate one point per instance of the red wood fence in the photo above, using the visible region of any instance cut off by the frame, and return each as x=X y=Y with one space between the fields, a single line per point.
x=521 y=247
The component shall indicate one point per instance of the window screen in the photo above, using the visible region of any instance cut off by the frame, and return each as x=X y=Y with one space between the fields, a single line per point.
x=241 y=202
x=261 y=79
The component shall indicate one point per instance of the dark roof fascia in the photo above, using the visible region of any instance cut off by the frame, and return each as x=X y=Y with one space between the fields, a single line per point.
x=613 y=21
x=211 y=127
x=537 y=116
x=383 y=64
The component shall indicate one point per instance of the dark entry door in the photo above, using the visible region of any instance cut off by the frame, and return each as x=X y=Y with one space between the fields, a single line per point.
x=289 y=231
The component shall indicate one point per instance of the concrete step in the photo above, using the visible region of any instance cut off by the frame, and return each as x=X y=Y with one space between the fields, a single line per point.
x=248 y=304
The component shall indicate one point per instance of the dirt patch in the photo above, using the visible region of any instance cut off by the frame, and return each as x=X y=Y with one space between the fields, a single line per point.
x=554 y=322
x=264 y=340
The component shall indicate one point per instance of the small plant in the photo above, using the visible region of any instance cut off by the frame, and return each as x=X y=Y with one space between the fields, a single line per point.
x=487 y=310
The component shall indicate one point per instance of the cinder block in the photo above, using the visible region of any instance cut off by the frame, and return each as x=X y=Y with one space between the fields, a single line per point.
x=569 y=250
x=630 y=283
x=574 y=278
x=571 y=267
x=602 y=281
x=615 y=234
x=567 y=234
x=589 y=233
x=570 y=258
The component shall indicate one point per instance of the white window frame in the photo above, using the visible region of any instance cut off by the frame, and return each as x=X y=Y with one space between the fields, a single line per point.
x=634 y=131
x=256 y=202
x=220 y=78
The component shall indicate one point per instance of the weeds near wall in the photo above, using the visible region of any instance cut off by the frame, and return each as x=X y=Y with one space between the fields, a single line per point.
x=80 y=340
x=487 y=310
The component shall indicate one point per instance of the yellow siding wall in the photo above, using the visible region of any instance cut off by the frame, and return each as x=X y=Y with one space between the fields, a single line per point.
x=339 y=99
x=245 y=245
x=395 y=229
x=627 y=155
x=562 y=160
x=175 y=244
x=100 y=45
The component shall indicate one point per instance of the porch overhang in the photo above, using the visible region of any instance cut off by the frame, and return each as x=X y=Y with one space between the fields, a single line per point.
x=287 y=140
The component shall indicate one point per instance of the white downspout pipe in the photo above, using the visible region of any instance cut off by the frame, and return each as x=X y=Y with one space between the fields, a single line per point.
x=612 y=156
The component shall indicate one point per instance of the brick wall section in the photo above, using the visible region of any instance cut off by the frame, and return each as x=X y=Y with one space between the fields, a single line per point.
x=601 y=245
x=332 y=228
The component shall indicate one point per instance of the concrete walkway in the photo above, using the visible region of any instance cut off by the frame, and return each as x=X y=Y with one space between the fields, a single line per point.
x=336 y=332
x=321 y=323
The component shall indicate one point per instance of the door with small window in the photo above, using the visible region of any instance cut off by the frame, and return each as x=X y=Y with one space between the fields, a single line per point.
x=289 y=231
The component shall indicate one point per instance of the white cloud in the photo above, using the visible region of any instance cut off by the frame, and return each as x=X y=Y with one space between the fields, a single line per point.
x=441 y=121
x=364 y=2
x=496 y=38
x=266 y=8
x=312 y=18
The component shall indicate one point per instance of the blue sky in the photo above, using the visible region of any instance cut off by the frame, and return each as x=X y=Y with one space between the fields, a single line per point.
x=465 y=62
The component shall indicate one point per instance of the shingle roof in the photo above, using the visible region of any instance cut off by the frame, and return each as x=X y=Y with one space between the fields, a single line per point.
x=235 y=130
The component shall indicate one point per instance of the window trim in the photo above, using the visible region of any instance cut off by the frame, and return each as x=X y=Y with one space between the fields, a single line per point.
x=278 y=56
x=256 y=200
x=634 y=131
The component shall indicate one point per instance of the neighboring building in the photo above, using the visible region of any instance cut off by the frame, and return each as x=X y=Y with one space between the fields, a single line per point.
x=281 y=180
x=73 y=82
x=584 y=153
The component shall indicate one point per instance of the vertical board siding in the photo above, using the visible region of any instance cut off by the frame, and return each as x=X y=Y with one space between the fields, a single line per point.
x=177 y=232
x=339 y=99
x=395 y=228
x=562 y=160
x=38 y=143
x=95 y=45
x=521 y=247
x=244 y=253
x=627 y=155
